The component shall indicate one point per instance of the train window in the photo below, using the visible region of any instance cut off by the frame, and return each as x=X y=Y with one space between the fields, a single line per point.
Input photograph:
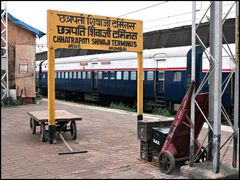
x=66 y=75
x=55 y=75
x=70 y=75
x=99 y=75
x=74 y=75
x=119 y=74
x=43 y=76
x=84 y=74
x=59 y=75
x=177 y=76
x=133 y=75
x=62 y=73
x=125 y=75
x=105 y=75
x=112 y=75
x=89 y=75
x=161 y=76
x=36 y=74
x=79 y=75
x=149 y=75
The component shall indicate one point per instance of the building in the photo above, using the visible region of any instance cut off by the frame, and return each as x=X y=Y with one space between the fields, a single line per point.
x=21 y=57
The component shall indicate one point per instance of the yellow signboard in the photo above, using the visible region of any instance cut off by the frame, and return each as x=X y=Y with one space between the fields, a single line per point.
x=83 y=31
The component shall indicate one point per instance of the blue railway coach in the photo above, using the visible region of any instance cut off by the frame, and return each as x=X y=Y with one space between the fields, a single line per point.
x=104 y=77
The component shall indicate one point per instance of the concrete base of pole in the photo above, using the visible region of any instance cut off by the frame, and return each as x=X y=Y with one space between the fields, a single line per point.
x=204 y=170
x=51 y=134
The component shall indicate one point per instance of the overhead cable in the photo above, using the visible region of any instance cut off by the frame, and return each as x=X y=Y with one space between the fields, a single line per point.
x=143 y=8
x=175 y=15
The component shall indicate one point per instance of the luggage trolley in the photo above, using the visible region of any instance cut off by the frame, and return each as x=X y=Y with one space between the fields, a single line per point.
x=62 y=119
x=177 y=142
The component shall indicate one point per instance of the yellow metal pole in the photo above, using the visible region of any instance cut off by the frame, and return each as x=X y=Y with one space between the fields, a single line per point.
x=140 y=87
x=51 y=95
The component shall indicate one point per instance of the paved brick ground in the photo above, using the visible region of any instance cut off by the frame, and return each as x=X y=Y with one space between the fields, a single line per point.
x=109 y=136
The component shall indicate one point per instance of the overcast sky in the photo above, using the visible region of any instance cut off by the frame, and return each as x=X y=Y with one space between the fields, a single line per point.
x=155 y=15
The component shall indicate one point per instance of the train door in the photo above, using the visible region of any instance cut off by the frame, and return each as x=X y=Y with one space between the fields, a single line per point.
x=160 y=78
x=95 y=79
x=94 y=75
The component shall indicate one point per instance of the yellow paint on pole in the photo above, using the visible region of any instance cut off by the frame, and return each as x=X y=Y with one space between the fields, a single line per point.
x=51 y=87
x=51 y=74
x=140 y=85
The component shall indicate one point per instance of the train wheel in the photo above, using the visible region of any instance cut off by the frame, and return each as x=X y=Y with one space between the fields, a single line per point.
x=203 y=155
x=33 y=126
x=42 y=132
x=73 y=130
x=166 y=162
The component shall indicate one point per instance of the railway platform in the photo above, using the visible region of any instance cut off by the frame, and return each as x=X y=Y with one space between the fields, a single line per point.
x=109 y=136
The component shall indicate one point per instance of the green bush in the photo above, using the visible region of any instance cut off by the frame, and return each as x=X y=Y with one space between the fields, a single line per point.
x=122 y=107
x=8 y=102
x=162 y=112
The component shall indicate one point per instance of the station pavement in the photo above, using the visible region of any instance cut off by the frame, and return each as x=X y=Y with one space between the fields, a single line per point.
x=109 y=136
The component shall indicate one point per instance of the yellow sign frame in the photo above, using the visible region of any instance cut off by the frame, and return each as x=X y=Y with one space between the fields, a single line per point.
x=81 y=31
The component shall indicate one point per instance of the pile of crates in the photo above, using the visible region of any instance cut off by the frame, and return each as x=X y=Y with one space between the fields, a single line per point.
x=152 y=135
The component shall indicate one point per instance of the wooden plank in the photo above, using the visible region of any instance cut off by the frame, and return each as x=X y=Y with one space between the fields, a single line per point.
x=25 y=70
x=16 y=36
x=60 y=115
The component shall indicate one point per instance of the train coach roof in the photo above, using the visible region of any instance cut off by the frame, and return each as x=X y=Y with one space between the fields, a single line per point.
x=224 y=53
x=147 y=54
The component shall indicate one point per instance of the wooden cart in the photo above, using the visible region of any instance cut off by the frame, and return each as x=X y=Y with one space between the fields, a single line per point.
x=64 y=121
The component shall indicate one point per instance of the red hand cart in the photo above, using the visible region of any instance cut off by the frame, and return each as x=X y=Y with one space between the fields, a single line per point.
x=177 y=143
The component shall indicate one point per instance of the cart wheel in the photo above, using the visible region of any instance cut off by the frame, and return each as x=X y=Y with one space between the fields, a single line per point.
x=73 y=130
x=33 y=126
x=42 y=132
x=202 y=157
x=166 y=162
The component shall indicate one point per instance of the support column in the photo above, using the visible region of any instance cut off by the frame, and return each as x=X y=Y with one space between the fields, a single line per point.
x=215 y=98
x=192 y=137
x=140 y=87
x=51 y=95
x=236 y=89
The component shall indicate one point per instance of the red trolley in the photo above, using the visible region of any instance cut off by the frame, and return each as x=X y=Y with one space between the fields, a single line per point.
x=176 y=145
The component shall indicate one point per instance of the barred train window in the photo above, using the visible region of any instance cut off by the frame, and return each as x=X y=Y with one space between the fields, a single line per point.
x=99 y=75
x=79 y=75
x=177 y=76
x=149 y=75
x=119 y=75
x=125 y=75
x=89 y=75
x=112 y=75
x=105 y=75
x=84 y=75
x=133 y=75
x=161 y=76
